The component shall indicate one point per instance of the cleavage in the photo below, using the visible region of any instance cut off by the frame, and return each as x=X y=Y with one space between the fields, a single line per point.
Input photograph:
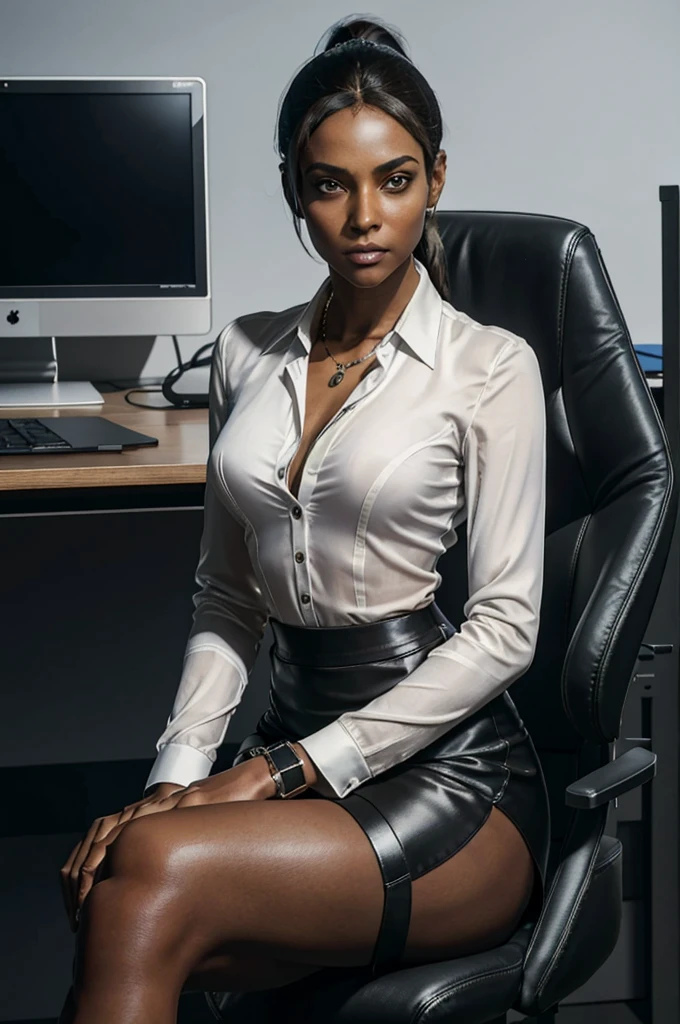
x=321 y=405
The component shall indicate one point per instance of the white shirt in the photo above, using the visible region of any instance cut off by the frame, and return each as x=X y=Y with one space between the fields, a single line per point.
x=449 y=427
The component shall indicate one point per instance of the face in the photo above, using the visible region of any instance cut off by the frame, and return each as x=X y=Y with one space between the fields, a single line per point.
x=363 y=183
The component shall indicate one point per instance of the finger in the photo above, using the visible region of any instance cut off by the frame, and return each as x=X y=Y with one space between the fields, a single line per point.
x=93 y=867
x=166 y=804
x=65 y=880
x=81 y=853
x=99 y=824
x=68 y=875
x=194 y=798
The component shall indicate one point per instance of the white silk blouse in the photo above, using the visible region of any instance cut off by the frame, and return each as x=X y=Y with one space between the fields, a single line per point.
x=447 y=429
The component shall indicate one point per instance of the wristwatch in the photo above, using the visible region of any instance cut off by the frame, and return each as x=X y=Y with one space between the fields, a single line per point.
x=286 y=768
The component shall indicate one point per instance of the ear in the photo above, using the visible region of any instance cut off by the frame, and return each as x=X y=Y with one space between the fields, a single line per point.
x=438 y=178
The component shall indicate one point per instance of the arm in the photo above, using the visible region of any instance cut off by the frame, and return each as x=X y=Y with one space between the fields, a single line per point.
x=228 y=625
x=504 y=455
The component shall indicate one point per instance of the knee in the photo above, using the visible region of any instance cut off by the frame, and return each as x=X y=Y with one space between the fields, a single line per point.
x=127 y=923
x=142 y=850
x=114 y=898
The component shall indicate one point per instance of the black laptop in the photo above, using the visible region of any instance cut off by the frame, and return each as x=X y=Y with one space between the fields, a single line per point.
x=33 y=436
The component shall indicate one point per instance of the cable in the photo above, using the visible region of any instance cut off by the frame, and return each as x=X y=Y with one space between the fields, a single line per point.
x=186 y=401
x=130 y=391
x=145 y=405
x=175 y=400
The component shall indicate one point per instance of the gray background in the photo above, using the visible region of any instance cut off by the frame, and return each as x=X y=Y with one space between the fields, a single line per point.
x=549 y=107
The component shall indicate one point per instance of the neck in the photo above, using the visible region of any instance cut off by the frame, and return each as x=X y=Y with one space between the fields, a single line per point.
x=356 y=315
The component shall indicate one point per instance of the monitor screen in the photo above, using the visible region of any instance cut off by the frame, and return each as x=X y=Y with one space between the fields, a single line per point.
x=98 y=190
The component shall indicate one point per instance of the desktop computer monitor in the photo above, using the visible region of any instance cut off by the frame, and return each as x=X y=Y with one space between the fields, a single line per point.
x=104 y=200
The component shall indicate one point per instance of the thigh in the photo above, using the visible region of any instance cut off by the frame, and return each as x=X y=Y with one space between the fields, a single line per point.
x=298 y=882
x=266 y=879
x=475 y=899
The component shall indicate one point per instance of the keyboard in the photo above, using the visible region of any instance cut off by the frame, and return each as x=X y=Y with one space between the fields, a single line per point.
x=25 y=436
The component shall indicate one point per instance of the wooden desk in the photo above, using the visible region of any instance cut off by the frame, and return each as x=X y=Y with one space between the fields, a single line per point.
x=172 y=473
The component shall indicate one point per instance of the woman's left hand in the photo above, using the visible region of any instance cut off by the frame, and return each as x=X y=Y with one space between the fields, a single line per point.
x=249 y=780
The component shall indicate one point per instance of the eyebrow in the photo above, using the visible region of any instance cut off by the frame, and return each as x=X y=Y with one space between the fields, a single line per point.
x=332 y=169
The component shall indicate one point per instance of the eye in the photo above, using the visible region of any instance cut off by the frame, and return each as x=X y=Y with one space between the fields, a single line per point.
x=401 y=179
x=404 y=177
x=324 y=181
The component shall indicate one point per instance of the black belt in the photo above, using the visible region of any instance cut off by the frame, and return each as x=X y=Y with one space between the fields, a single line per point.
x=362 y=643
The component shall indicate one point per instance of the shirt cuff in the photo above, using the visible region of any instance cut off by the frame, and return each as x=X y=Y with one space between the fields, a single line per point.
x=339 y=762
x=180 y=763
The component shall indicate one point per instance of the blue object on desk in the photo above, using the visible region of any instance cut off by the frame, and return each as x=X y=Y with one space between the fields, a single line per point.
x=650 y=357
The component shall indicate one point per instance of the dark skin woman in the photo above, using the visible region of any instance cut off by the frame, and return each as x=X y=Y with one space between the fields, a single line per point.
x=227 y=888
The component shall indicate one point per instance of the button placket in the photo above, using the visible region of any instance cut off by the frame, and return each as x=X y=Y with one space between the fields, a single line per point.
x=301 y=573
x=308 y=479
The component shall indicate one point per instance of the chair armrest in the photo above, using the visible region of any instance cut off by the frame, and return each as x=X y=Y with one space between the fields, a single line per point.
x=624 y=773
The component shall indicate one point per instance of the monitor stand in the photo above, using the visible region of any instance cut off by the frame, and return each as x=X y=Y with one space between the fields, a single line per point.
x=29 y=377
x=39 y=395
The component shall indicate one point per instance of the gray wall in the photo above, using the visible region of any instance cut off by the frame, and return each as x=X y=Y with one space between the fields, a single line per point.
x=561 y=108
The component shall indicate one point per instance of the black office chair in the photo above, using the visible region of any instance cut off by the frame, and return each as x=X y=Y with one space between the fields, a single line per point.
x=611 y=509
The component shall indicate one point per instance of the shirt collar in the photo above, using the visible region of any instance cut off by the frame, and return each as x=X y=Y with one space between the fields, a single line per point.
x=418 y=324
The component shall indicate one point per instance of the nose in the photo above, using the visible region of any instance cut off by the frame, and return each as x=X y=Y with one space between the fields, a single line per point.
x=364 y=211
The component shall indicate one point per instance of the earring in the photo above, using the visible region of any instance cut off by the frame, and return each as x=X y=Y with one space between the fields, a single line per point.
x=430 y=210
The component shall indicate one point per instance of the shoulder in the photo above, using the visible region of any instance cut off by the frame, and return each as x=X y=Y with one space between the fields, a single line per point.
x=486 y=348
x=247 y=336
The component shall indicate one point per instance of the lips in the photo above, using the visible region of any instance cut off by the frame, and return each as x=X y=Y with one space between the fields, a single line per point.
x=367 y=257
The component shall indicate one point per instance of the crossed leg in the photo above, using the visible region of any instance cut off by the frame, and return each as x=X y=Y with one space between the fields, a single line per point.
x=251 y=895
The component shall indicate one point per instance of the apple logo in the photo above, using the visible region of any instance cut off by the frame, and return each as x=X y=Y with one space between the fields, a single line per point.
x=13 y=317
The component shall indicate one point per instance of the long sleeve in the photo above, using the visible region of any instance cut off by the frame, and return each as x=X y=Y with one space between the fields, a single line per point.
x=504 y=480
x=228 y=625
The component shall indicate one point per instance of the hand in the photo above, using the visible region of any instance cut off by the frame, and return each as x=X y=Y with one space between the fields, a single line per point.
x=77 y=874
x=250 y=780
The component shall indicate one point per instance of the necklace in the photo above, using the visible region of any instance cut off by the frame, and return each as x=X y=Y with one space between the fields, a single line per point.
x=341 y=367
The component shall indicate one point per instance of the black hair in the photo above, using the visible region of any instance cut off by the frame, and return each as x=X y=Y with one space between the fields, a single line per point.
x=362 y=61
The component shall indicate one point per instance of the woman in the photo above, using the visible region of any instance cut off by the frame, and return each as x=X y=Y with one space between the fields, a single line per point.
x=350 y=438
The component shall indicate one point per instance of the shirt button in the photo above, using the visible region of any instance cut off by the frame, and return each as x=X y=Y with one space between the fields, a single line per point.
x=281 y=472
x=305 y=598
x=297 y=511
x=299 y=557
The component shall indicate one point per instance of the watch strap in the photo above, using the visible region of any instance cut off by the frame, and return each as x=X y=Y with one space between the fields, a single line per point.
x=285 y=766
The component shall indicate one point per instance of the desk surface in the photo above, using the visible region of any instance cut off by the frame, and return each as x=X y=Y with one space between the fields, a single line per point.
x=179 y=458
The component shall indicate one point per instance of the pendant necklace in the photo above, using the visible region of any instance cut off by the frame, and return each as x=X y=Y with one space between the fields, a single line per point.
x=341 y=367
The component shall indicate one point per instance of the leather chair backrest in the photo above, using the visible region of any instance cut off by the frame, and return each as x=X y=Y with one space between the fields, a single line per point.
x=609 y=475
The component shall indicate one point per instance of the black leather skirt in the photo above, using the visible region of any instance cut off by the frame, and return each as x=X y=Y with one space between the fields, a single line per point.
x=423 y=810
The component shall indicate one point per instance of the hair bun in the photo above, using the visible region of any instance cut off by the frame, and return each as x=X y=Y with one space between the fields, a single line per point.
x=354 y=27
